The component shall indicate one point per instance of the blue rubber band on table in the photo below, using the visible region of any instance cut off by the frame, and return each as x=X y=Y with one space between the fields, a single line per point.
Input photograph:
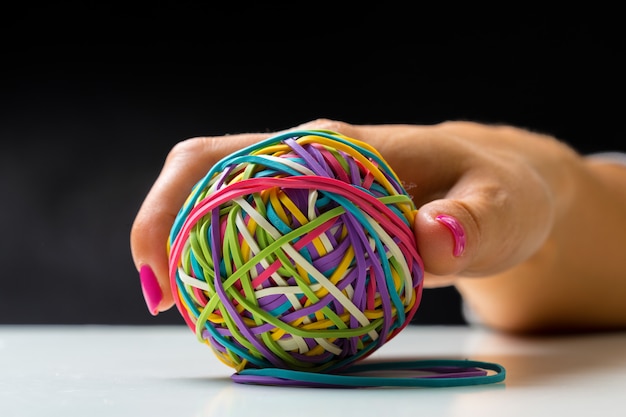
x=430 y=373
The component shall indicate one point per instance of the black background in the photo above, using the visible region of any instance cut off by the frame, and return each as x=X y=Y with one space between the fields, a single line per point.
x=93 y=97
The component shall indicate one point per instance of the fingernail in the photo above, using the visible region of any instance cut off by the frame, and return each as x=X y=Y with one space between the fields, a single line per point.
x=457 y=232
x=150 y=288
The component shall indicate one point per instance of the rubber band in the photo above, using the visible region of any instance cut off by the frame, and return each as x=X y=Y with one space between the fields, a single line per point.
x=435 y=373
x=295 y=258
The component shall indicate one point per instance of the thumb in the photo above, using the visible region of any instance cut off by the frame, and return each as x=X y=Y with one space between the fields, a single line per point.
x=480 y=228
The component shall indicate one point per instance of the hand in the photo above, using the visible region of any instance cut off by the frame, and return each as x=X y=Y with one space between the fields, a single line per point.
x=472 y=173
x=490 y=198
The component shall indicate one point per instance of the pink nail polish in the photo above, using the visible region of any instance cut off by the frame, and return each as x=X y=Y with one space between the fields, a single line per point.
x=457 y=232
x=150 y=288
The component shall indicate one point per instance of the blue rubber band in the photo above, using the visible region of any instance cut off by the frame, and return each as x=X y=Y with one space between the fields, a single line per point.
x=429 y=373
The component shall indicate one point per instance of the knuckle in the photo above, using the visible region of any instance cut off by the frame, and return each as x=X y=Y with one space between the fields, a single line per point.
x=190 y=148
x=329 y=124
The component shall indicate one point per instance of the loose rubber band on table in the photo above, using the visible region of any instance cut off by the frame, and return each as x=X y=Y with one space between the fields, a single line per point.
x=441 y=373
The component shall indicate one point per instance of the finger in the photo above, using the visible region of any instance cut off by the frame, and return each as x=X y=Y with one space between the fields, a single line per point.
x=485 y=224
x=185 y=165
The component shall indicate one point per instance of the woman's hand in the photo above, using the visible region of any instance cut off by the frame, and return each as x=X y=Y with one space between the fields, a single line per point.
x=495 y=202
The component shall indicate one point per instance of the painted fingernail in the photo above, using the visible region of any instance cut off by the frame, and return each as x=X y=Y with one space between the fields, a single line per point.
x=457 y=232
x=150 y=288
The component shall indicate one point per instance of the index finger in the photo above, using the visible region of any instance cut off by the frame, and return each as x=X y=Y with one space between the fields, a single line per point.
x=185 y=165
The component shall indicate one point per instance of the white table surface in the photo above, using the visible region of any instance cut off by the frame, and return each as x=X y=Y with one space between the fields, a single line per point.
x=154 y=371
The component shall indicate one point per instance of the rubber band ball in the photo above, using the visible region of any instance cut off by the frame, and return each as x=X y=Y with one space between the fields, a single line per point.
x=297 y=253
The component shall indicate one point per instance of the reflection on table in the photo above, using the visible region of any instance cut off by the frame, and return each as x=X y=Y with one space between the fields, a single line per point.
x=164 y=371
